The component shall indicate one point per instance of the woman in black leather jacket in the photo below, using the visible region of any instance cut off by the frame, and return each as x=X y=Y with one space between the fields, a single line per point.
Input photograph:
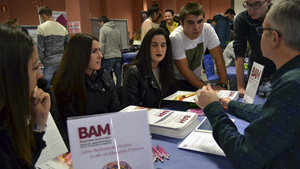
x=80 y=85
x=150 y=76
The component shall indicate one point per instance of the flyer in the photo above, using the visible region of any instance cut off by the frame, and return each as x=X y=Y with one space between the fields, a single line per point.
x=119 y=140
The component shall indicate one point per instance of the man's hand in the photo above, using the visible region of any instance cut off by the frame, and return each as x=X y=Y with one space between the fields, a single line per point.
x=205 y=96
x=225 y=101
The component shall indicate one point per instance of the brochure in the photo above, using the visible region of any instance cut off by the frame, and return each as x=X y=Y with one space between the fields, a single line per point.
x=201 y=139
x=114 y=140
x=168 y=122
x=187 y=96
x=55 y=144
x=253 y=83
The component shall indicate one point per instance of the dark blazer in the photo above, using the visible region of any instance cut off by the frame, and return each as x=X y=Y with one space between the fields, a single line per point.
x=141 y=88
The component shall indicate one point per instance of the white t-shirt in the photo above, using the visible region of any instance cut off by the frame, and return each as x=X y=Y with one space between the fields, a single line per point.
x=193 y=50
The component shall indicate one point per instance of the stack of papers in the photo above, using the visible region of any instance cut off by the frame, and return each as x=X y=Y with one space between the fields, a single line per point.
x=186 y=96
x=169 y=123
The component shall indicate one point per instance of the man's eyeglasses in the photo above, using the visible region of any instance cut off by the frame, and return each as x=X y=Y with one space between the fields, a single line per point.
x=256 y=5
x=260 y=30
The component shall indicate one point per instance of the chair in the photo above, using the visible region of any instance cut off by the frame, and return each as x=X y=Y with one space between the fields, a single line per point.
x=209 y=67
x=128 y=57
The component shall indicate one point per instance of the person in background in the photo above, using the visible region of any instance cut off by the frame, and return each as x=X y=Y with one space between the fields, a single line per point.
x=110 y=47
x=149 y=77
x=81 y=85
x=12 y=21
x=136 y=41
x=52 y=38
x=23 y=106
x=189 y=42
x=137 y=37
x=228 y=55
x=272 y=139
x=169 y=24
x=148 y=24
x=222 y=26
x=245 y=25
x=211 y=22
x=158 y=20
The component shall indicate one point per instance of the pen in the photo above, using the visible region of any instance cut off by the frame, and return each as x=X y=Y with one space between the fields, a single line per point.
x=164 y=154
x=160 y=148
x=156 y=153
x=154 y=157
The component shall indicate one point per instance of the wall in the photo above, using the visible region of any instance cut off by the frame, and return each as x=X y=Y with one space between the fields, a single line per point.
x=116 y=9
x=26 y=13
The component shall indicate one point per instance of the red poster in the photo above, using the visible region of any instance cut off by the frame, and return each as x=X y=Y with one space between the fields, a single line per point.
x=3 y=8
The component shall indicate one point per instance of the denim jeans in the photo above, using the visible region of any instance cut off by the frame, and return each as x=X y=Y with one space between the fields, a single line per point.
x=114 y=63
x=48 y=73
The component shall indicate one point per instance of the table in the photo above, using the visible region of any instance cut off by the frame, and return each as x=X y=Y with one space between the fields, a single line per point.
x=231 y=76
x=231 y=72
x=180 y=158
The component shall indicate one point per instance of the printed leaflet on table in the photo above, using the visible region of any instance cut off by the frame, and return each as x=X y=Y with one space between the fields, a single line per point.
x=201 y=139
x=119 y=140
x=187 y=96
x=169 y=123
x=253 y=83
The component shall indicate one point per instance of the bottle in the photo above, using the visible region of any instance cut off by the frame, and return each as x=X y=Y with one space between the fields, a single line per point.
x=264 y=91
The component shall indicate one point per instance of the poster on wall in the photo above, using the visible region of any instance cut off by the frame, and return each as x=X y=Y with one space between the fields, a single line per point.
x=58 y=16
x=74 y=27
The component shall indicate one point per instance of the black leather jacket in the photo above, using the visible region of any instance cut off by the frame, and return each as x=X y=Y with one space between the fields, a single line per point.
x=141 y=88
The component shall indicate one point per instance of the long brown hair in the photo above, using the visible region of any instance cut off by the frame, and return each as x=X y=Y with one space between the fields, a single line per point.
x=15 y=52
x=69 y=80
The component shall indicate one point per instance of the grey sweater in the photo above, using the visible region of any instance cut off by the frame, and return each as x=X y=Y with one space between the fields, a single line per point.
x=51 y=37
x=110 y=41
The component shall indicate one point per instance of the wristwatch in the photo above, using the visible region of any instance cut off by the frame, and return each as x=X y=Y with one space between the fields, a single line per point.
x=39 y=128
x=224 y=85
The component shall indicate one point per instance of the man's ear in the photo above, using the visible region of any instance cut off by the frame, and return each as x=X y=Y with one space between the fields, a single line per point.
x=276 y=38
x=269 y=2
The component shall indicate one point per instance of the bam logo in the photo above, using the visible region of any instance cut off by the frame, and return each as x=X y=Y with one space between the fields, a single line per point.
x=93 y=130
x=255 y=73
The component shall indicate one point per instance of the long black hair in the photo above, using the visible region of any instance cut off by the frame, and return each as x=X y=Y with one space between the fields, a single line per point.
x=143 y=57
x=69 y=80
x=16 y=50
